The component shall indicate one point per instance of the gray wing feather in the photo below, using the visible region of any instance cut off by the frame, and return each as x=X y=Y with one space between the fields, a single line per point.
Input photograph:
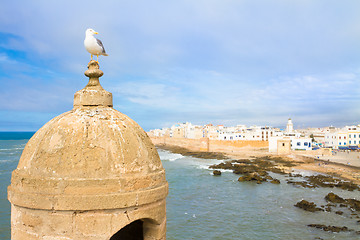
x=102 y=46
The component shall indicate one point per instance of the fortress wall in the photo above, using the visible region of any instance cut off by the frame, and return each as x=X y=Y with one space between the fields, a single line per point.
x=192 y=144
x=233 y=145
x=205 y=144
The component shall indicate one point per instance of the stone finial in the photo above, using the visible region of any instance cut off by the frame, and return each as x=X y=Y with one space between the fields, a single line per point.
x=93 y=70
x=93 y=94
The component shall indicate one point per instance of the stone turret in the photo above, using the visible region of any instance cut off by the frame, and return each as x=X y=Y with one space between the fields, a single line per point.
x=90 y=173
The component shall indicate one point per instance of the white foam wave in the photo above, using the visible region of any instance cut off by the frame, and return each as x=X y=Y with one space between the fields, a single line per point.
x=168 y=156
x=304 y=173
x=10 y=149
x=178 y=156
x=224 y=170
x=8 y=153
x=8 y=160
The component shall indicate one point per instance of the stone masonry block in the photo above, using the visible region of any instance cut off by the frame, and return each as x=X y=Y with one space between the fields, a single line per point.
x=92 y=223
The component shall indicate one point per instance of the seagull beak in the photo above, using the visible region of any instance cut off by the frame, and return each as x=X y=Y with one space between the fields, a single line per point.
x=96 y=33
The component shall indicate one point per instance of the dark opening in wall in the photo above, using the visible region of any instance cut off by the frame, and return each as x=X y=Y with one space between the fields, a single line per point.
x=132 y=231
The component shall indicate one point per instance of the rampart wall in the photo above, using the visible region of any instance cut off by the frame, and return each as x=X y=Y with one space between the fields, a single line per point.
x=205 y=144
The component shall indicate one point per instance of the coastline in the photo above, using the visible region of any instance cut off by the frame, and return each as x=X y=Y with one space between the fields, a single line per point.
x=301 y=162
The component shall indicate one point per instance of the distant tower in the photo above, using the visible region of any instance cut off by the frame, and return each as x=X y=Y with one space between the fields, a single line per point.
x=90 y=173
x=289 y=126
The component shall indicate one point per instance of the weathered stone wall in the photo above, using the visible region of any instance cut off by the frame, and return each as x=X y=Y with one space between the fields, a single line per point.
x=220 y=145
x=205 y=144
x=283 y=146
x=192 y=144
x=34 y=224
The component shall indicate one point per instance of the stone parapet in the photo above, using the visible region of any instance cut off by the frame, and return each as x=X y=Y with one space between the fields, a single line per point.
x=86 y=194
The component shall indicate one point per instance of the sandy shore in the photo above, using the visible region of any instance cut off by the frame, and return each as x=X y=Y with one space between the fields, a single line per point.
x=340 y=165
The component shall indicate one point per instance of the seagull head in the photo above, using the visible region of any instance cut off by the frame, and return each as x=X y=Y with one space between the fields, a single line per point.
x=90 y=32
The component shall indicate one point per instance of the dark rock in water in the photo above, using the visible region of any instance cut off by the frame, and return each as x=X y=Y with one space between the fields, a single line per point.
x=325 y=181
x=302 y=184
x=294 y=175
x=275 y=181
x=197 y=154
x=330 y=228
x=268 y=177
x=243 y=169
x=245 y=161
x=348 y=186
x=331 y=205
x=216 y=173
x=328 y=209
x=307 y=206
x=252 y=177
x=260 y=165
x=329 y=181
x=332 y=197
x=277 y=170
x=353 y=203
x=339 y=212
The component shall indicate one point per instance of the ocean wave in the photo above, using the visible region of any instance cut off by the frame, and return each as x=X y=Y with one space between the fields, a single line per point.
x=8 y=160
x=211 y=172
x=8 y=153
x=168 y=156
x=224 y=170
x=10 y=149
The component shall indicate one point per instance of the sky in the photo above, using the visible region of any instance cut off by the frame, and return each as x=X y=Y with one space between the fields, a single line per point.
x=224 y=62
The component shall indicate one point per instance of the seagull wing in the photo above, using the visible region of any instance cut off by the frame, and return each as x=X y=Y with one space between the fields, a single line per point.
x=101 y=45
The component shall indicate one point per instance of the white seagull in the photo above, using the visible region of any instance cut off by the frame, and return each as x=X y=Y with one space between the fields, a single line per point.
x=93 y=45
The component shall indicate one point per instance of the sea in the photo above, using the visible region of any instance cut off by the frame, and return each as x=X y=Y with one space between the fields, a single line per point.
x=203 y=206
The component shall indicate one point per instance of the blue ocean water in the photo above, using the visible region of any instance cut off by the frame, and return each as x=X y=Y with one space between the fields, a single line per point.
x=11 y=146
x=203 y=206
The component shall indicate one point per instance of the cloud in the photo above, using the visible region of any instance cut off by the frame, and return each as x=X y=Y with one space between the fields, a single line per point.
x=229 y=61
x=150 y=94
x=4 y=58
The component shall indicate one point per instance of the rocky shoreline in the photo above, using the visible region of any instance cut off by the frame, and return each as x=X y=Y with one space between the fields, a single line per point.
x=349 y=208
x=257 y=169
x=197 y=154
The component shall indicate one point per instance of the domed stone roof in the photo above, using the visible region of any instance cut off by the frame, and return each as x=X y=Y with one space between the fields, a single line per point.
x=90 y=142
x=92 y=157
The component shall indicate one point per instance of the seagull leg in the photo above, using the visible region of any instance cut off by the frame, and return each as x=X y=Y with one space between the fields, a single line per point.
x=97 y=55
x=91 y=56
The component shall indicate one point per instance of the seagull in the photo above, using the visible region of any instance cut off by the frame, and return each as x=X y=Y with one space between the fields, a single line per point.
x=93 y=45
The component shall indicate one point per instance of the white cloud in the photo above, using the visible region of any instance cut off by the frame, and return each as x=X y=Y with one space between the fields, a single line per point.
x=4 y=57
x=230 y=59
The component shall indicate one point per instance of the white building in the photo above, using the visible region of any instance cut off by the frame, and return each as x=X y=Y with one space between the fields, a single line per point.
x=253 y=133
x=193 y=131
x=297 y=143
x=347 y=137
x=289 y=126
